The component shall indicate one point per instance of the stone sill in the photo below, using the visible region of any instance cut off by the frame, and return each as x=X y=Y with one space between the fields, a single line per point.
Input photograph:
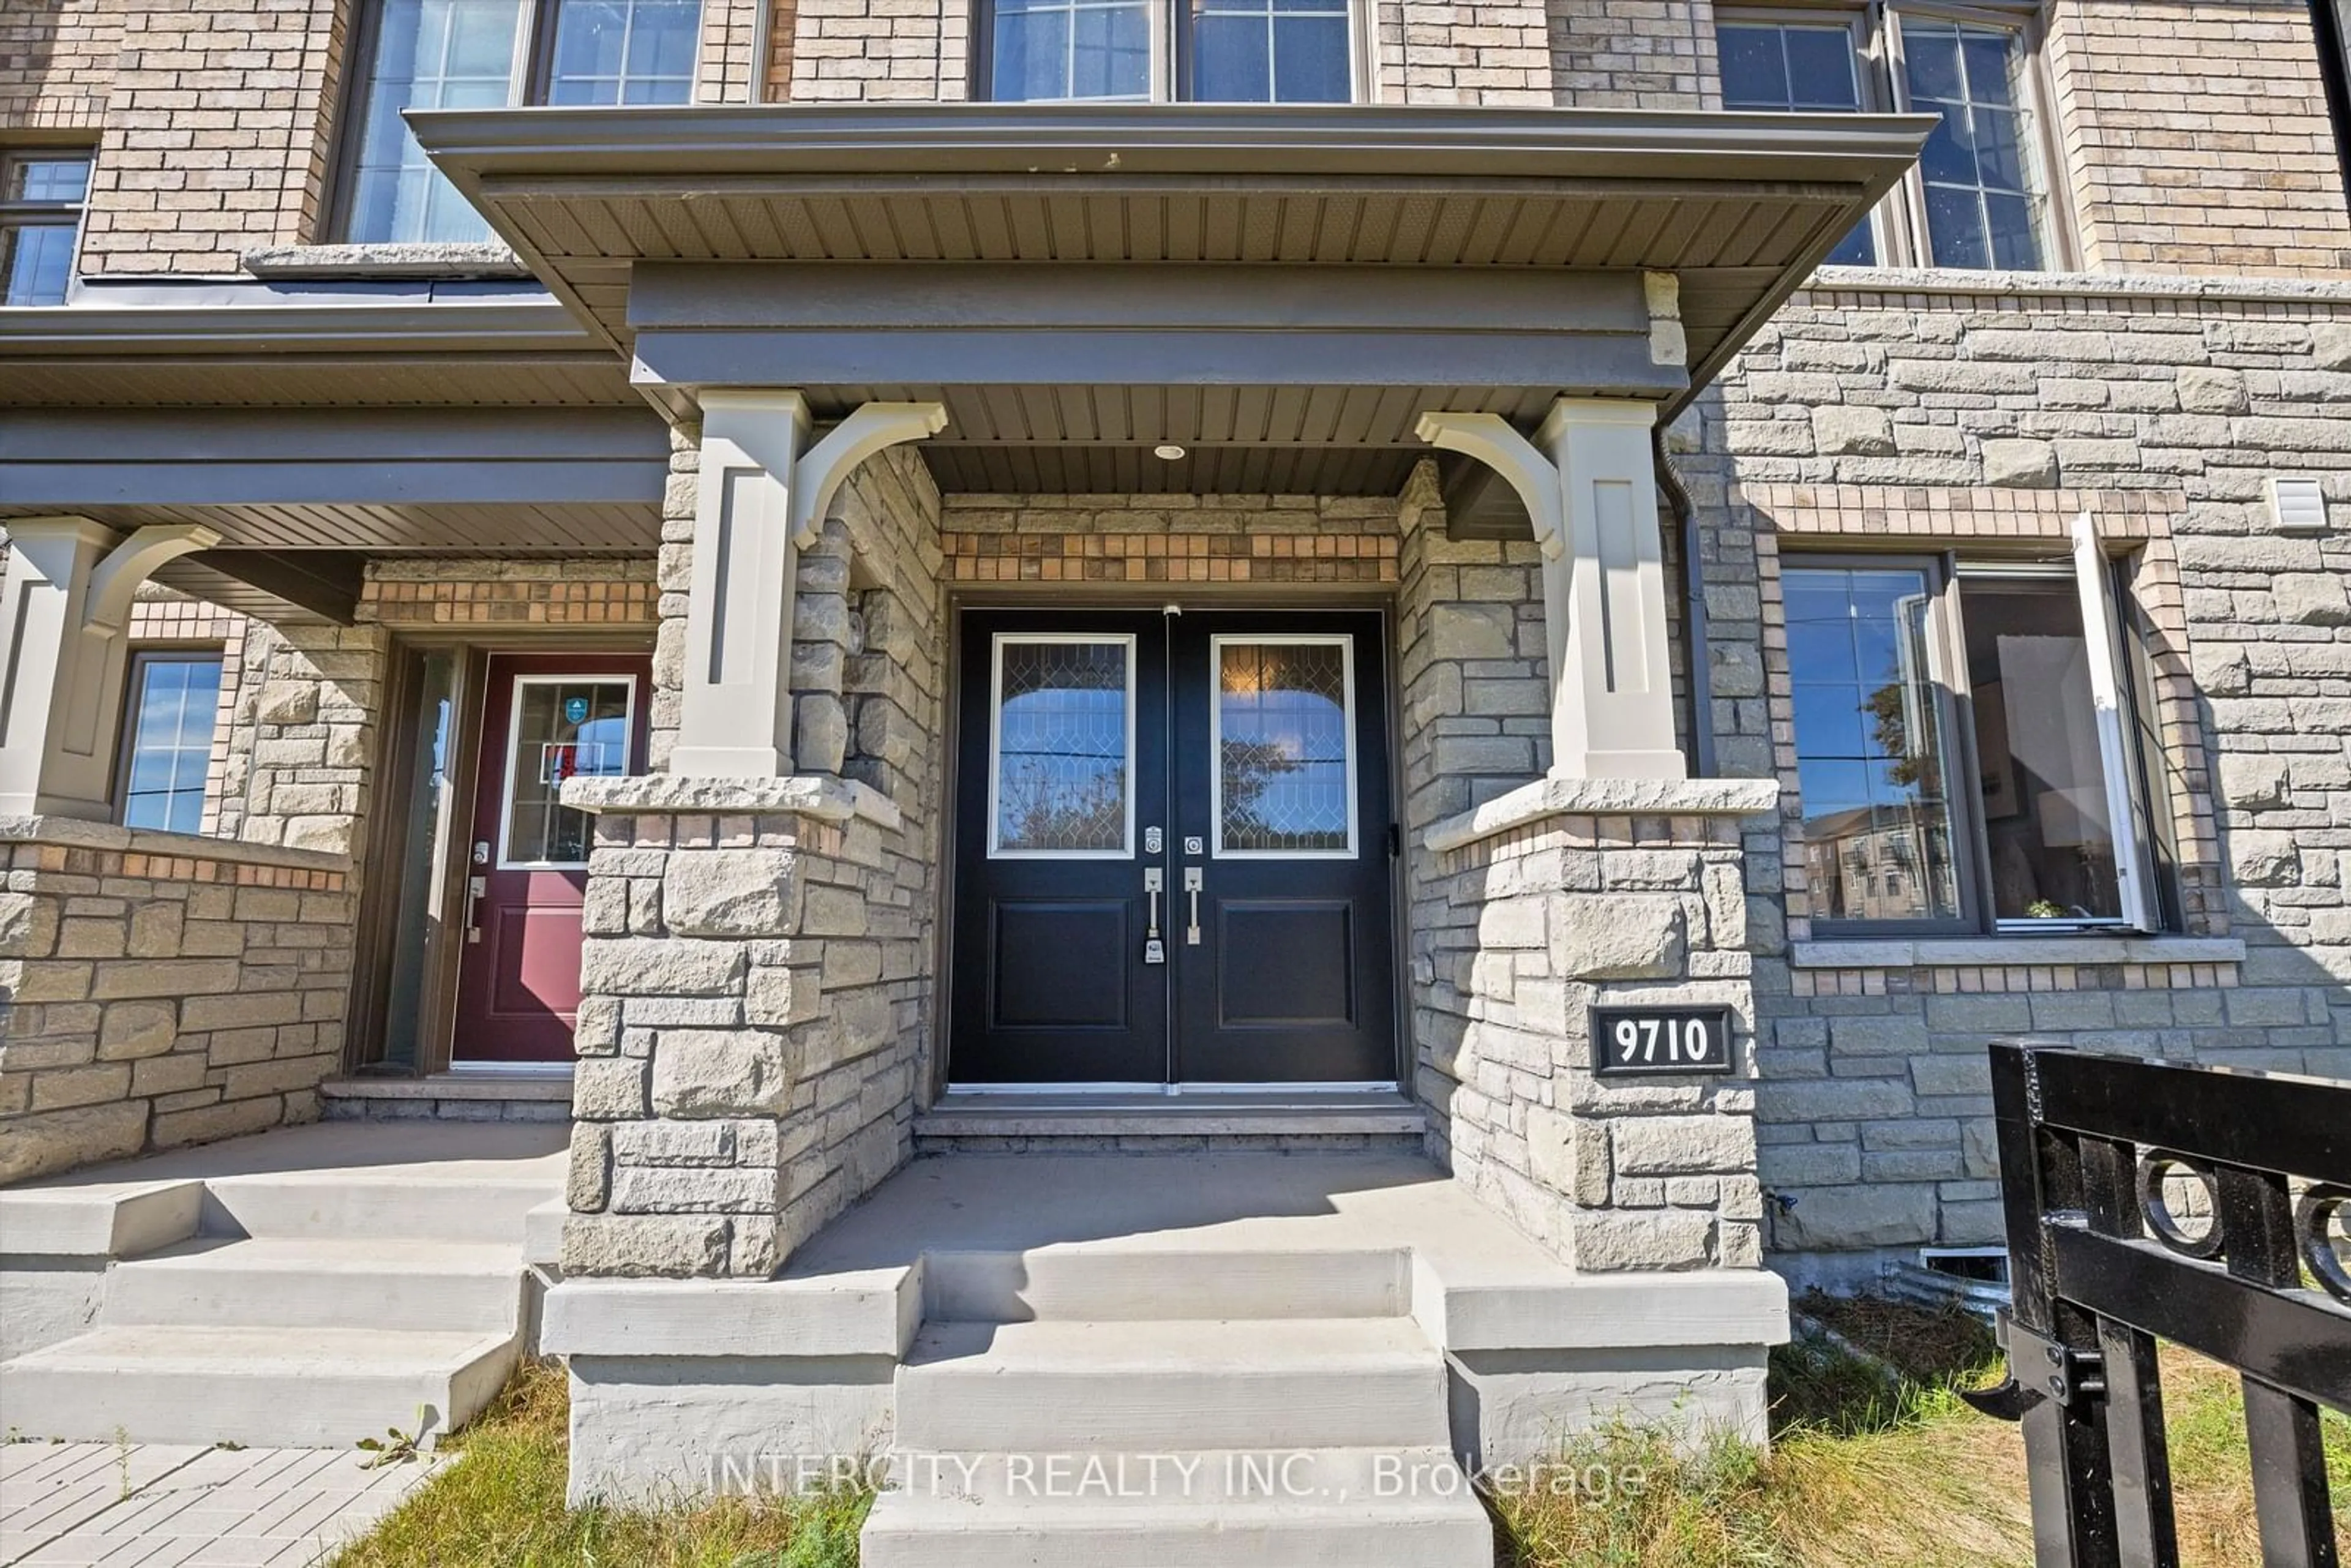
x=453 y=1086
x=75 y=832
x=1548 y=798
x=2069 y=285
x=2002 y=952
x=824 y=798
x=386 y=261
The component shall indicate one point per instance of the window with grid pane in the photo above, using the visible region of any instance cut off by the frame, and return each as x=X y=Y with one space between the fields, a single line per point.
x=41 y=197
x=1797 y=68
x=487 y=54
x=1980 y=175
x=1206 y=51
x=168 y=739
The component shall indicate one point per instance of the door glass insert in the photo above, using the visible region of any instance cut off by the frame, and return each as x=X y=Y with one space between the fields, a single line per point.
x=1062 y=747
x=563 y=728
x=1283 y=729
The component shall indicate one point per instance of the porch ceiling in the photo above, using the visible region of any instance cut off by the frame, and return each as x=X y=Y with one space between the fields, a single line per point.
x=1336 y=271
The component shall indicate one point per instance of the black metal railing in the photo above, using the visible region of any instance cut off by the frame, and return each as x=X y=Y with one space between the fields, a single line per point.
x=2107 y=1163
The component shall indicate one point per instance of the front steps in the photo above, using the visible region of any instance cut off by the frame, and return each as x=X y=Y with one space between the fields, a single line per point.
x=1176 y=1408
x=313 y=1305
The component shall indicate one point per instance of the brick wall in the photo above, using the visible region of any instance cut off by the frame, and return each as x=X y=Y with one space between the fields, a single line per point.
x=162 y=989
x=57 y=62
x=215 y=135
x=1890 y=414
x=589 y=591
x=1634 y=54
x=2196 y=137
x=1170 y=538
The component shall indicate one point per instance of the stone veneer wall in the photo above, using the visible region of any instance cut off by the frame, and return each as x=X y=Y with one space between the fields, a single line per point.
x=302 y=741
x=162 y=989
x=1928 y=410
x=757 y=978
x=1516 y=934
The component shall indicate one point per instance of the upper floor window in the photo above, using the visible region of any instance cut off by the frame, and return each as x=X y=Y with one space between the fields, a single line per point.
x=486 y=53
x=41 y=197
x=1142 y=51
x=1962 y=751
x=167 y=740
x=1981 y=195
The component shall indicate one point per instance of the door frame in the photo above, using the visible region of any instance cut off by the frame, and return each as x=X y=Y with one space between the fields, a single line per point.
x=1128 y=598
x=388 y=831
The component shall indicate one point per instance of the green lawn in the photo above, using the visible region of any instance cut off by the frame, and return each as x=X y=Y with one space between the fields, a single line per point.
x=1865 y=1470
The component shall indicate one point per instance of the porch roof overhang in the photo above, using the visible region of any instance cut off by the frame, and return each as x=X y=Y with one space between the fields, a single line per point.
x=1282 y=291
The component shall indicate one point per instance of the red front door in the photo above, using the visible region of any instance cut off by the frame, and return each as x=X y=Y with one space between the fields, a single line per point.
x=545 y=717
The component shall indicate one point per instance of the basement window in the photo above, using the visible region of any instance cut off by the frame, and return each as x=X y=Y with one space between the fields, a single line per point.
x=488 y=54
x=167 y=738
x=41 y=198
x=1965 y=758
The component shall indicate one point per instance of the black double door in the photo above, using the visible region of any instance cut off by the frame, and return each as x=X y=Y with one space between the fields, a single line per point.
x=1173 y=849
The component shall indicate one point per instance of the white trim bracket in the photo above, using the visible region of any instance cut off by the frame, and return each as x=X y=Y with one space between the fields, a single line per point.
x=1491 y=440
x=825 y=466
x=117 y=576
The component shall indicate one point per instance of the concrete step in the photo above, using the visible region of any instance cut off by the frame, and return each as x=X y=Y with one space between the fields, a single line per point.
x=1142 y=1387
x=306 y=1282
x=1407 y=1508
x=291 y=1387
x=393 y=1204
x=1096 y=1284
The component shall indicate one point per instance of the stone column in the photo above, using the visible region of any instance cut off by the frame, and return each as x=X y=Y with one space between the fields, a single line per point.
x=1557 y=896
x=69 y=591
x=740 y=1080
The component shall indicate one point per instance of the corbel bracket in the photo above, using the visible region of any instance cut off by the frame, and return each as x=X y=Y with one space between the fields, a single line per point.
x=821 y=470
x=1491 y=440
x=117 y=576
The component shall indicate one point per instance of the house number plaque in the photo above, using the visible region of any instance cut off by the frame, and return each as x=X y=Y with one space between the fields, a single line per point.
x=1647 y=1042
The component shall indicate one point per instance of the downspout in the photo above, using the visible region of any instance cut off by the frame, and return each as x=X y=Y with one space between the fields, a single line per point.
x=1695 y=673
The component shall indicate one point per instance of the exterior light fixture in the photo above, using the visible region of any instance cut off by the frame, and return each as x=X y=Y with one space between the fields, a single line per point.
x=1167 y=450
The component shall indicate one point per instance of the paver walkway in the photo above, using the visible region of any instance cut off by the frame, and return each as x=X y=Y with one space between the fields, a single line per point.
x=162 y=1506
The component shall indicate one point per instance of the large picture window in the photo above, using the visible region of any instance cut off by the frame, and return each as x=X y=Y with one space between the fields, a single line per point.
x=1981 y=196
x=167 y=740
x=486 y=53
x=1962 y=753
x=1142 y=51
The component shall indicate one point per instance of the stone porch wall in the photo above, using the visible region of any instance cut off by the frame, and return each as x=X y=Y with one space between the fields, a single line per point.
x=162 y=989
x=1584 y=892
x=1901 y=413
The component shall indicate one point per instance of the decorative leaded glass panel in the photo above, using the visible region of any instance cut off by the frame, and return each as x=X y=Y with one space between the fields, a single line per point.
x=1063 y=746
x=1282 y=724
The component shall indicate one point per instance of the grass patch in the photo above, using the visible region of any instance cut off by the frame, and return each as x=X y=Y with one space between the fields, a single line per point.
x=502 y=1506
x=1886 y=1470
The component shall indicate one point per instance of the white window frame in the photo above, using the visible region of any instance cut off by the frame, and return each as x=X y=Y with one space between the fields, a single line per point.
x=1898 y=222
x=997 y=645
x=28 y=213
x=514 y=737
x=1346 y=643
x=1165 y=70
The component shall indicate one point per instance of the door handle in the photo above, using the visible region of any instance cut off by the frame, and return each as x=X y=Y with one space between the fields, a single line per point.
x=1192 y=887
x=1155 y=881
x=475 y=887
